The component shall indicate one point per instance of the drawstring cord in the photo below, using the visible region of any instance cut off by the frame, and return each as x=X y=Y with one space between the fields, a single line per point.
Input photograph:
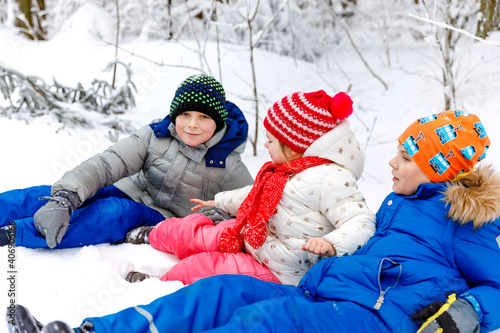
x=380 y=299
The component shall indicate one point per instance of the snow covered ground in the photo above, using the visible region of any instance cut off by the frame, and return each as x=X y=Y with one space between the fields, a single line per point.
x=75 y=283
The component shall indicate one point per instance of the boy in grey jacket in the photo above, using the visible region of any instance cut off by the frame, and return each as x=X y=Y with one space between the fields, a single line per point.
x=194 y=152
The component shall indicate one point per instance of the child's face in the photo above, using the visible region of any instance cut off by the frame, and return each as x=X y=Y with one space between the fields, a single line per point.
x=407 y=175
x=277 y=155
x=194 y=128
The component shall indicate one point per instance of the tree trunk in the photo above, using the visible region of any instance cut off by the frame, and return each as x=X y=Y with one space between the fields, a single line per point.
x=169 y=9
x=489 y=17
x=30 y=18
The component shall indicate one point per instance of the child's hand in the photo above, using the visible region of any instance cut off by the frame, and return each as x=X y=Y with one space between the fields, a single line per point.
x=319 y=246
x=202 y=204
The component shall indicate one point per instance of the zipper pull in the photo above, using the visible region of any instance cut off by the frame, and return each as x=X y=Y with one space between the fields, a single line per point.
x=380 y=300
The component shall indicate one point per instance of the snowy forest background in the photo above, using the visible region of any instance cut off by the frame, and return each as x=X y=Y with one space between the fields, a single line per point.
x=78 y=75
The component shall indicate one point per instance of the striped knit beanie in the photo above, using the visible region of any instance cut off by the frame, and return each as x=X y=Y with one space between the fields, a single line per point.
x=301 y=118
x=202 y=93
x=446 y=145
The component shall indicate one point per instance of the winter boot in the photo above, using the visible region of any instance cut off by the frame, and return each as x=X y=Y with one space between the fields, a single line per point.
x=60 y=327
x=8 y=235
x=138 y=235
x=134 y=277
x=57 y=327
x=20 y=320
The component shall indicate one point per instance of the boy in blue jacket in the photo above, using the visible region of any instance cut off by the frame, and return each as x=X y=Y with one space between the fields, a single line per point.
x=140 y=180
x=434 y=259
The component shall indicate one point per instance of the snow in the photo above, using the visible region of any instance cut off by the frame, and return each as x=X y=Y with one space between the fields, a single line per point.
x=72 y=284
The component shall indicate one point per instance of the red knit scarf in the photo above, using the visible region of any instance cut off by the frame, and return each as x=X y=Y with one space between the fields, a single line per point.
x=261 y=203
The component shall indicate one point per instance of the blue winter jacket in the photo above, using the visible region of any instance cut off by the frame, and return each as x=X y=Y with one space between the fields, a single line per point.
x=418 y=255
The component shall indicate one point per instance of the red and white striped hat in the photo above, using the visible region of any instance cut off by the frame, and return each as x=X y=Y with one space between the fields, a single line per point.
x=301 y=118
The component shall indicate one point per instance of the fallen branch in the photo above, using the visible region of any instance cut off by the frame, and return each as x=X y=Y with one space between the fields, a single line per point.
x=28 y=96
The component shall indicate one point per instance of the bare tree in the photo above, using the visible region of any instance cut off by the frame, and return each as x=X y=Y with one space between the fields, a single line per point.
x=253 y=40
x=116 y=42
x=169 y=23
x=217 y=39
x=3 y=11
x=457 y=14
x=250 y=17
x=353 y=43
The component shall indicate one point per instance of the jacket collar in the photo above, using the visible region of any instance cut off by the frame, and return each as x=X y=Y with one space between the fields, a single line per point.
x=426 y=191
x=475 y=198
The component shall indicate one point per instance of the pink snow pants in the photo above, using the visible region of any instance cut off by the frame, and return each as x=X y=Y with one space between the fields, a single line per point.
x=193 y=239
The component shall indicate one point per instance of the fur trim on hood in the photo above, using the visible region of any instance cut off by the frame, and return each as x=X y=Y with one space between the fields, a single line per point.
x=475 y=197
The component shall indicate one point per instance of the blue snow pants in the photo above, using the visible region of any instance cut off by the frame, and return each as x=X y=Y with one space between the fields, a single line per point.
x=104 y=218
x=238 y=303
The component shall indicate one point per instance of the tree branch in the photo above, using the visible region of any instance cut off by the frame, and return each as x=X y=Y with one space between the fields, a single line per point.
x=461 y=31
x=361 y=56
x=150 y=60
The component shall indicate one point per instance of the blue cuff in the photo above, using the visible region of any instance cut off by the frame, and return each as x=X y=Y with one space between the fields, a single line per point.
x=475 y=304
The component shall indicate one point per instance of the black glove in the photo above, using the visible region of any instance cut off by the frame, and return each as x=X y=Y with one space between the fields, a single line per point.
x=215 y=214
x=454 y=316
x=52 y=219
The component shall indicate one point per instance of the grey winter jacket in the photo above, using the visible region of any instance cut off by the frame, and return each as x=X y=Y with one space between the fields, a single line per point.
x=161 y=172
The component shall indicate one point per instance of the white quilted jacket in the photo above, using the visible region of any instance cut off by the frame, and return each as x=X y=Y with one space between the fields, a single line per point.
x=322 y=201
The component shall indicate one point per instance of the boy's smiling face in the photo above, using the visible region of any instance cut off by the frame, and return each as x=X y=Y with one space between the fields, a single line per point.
x=194 y=128
x=406 y=174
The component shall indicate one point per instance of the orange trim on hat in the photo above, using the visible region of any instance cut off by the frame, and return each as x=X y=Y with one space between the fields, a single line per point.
x=447 y=144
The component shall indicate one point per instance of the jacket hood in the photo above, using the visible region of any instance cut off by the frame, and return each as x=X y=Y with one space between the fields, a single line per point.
x=234 y=138
x=341 y=146
x=475 y=197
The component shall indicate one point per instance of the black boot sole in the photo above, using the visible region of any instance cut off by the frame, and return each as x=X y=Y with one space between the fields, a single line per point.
x=20 y=320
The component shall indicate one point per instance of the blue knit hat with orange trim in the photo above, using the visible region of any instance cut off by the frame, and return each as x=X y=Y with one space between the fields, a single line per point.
x=202 y=93
x=446 y=145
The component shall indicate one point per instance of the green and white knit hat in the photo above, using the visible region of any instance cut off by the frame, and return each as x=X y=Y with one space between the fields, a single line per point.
x=202 y=93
